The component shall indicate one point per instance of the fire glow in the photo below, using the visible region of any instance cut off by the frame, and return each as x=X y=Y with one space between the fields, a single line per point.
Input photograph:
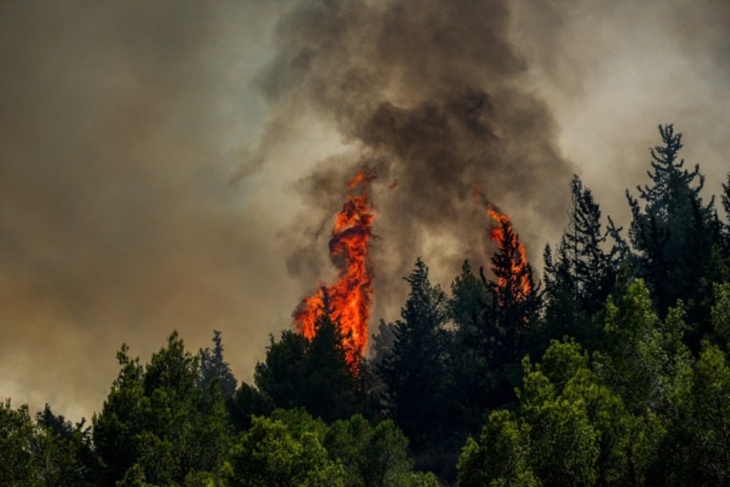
x=509 y=244
x=351 y=295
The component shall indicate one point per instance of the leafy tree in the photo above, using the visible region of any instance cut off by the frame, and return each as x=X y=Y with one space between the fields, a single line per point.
x=272 y=454
x=499 y=457
x=17 y=438
x=642 y=356
x=121 y=418
x=373 y=456
x=571 y=430
x=65 y=451
x=565 y=448
x=157 y=419
x=697 y=450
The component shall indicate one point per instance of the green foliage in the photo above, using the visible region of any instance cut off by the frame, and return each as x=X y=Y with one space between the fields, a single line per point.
x=272 y=454
x=311 y=374
x=65 y=450
x=500 y=456
x=157 y=419
x=471 y=362
x=698 y=443
x=372 y=457
x=17 y=438
x=720 y=314
x=637 y=392
x=571 y=430
x=642 y=356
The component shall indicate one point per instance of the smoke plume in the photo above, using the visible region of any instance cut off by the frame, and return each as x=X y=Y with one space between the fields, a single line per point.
x=429 y=95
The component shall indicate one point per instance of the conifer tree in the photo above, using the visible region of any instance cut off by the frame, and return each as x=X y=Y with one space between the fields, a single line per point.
x=214 y=367
x=672 y=230
x=413 y=371
x=581 y=272
x=313 y=374
x=516 y=297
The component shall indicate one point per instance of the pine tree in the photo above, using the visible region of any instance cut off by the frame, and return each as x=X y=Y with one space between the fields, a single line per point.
x=582 y=271
x=313 y=374
x=157 y=423
x=517 y=299
x=672 y=230
x=214 y=367
x=414 y=371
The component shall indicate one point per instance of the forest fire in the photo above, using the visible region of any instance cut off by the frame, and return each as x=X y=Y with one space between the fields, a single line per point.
x=349 y=298
x=513 y=250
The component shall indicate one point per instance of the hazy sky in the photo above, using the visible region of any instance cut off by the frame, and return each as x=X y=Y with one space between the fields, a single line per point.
x=176 y=165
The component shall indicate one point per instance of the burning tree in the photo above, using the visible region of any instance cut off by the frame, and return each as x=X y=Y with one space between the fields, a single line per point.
x=351 y=295
x=516 y=296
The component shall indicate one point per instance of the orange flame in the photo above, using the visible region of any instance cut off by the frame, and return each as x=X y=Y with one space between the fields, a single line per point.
x=351 y=295
x=509 y=245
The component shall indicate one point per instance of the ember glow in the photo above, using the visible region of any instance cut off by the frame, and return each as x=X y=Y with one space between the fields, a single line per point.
x=351 y=295
x=511 y=248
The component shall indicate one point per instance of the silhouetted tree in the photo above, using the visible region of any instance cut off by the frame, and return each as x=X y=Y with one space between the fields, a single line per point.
x=516 y=296
x=312 y=374
x=672 y=230
x=214 y=367
x=582 y=271
x=414 y=370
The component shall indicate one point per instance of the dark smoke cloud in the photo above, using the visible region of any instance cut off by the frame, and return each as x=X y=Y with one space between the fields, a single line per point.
x=428 y=93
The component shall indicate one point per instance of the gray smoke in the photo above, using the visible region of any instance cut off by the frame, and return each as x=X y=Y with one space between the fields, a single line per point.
x=430 y=95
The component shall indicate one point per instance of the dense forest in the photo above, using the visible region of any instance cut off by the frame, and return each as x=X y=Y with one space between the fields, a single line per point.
x=611 y=371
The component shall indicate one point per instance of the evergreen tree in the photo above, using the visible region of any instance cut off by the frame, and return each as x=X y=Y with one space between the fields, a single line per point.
x=726 y=227
x=66 y=451
x=312 y=374
x=246 y=403
x=157 y=421
x=414 y=370
x=214 y=367
x=672 y=230
x=516 y=298
x=582 y=271
x=470 y=360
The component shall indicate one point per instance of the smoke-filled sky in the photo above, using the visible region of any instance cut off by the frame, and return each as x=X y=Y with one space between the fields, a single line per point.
x=177 y=165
